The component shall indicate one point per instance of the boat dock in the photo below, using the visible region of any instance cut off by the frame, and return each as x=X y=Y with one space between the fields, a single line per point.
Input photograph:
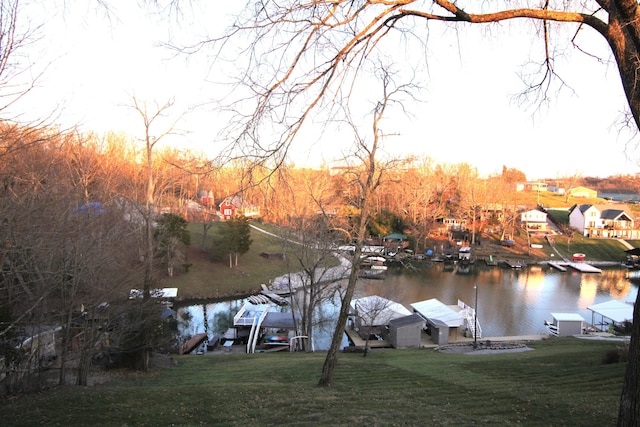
x=191 y=344
x=266 y=292
x=582 y=267
x=557 y=266
x=513 y=264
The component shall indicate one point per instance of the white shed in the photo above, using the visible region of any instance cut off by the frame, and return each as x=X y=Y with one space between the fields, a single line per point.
x=565 y=324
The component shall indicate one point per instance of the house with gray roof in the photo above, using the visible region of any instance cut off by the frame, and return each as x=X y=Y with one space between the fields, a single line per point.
x=603 y=221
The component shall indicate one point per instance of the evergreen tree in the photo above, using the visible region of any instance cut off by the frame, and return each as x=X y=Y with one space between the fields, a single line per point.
x=172 y=237
x=233 y=240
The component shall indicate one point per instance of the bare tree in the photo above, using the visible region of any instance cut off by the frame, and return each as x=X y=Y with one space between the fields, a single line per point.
x=18 y=72
x=315 y=256
x=301 y=54
x=372 y=312
x=366 y=178
x=151 y=117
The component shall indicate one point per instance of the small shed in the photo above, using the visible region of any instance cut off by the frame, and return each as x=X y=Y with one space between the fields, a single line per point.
x=565 y=324
x=406 y=332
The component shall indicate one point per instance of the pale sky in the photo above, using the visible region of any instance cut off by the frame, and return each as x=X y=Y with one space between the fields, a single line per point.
x=467 y=114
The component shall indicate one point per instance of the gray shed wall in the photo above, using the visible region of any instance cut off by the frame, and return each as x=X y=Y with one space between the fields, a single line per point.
x=406 y=336
x=567 y=328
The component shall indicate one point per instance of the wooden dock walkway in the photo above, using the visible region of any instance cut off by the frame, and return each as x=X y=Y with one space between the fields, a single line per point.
x=557 y=266
x=360 y=342
x=190 y=345
x=513 y=264
x=583 y=267
x=272 y=295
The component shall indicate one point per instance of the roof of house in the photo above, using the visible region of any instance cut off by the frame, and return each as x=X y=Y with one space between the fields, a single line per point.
x=605 y=211
x=614 y=214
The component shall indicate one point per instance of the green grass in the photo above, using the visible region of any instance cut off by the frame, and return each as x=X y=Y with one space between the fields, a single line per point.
x=594 y=249
x=562 y=382
x=207 y=279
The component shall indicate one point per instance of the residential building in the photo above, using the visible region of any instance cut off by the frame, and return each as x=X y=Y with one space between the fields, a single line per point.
x=235 y=205
x=603 y=221
x=534 y=219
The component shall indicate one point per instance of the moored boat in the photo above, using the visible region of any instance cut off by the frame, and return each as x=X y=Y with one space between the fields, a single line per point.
x=578 y=257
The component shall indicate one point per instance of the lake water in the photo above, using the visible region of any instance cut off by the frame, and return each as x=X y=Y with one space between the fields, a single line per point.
x=509 y=302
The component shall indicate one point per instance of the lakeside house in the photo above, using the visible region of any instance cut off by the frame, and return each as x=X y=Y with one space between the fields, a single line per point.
x=534 y=220
x=603 y=221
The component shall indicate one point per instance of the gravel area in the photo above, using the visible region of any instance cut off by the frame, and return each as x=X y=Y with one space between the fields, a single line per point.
x=484 y=347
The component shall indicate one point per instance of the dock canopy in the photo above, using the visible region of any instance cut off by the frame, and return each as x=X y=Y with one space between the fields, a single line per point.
x=617 y=311
x=377 y=311
x=434 y=311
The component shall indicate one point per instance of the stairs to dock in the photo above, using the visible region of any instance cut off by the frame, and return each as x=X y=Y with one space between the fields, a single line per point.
x=471 y=320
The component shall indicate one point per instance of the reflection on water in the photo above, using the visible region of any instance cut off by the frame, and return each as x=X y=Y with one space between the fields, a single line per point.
x=510 y=302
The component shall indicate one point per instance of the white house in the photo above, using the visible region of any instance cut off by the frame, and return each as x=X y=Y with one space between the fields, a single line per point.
x=534 y=219
x=602 y=221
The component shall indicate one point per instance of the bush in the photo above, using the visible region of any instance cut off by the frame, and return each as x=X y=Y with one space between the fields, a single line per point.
x=617 y=355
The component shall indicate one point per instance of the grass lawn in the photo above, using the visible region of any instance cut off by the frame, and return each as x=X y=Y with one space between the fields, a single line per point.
x=563 y=382
x=208 y=279
x=595 y=249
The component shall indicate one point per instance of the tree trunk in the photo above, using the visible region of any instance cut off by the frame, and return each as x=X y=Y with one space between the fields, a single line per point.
x=330 y=362
x=623 y=35
x=629 y=412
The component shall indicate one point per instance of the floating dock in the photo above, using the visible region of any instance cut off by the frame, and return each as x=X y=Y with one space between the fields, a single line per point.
x=513 y=264
x=557 y=266
x=584 y=267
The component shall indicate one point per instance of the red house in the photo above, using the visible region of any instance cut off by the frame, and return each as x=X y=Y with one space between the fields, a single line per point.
x=234 y=205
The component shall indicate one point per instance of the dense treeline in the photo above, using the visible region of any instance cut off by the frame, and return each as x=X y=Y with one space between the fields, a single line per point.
x=73 y=220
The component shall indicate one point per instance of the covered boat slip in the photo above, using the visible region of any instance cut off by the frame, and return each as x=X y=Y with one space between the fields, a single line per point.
x=258 y=318
x=376 y=311
x=448 y=323
x=611 y=314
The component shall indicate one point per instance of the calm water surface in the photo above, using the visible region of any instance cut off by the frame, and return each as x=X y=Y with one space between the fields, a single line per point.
x=509 y=302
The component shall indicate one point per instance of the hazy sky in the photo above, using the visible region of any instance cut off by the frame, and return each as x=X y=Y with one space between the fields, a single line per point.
x=468 y=111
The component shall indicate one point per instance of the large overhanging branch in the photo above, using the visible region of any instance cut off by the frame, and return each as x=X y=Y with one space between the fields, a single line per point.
x=304 y=57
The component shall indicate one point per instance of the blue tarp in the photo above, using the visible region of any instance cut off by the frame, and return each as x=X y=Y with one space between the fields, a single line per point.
x=91 y=208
